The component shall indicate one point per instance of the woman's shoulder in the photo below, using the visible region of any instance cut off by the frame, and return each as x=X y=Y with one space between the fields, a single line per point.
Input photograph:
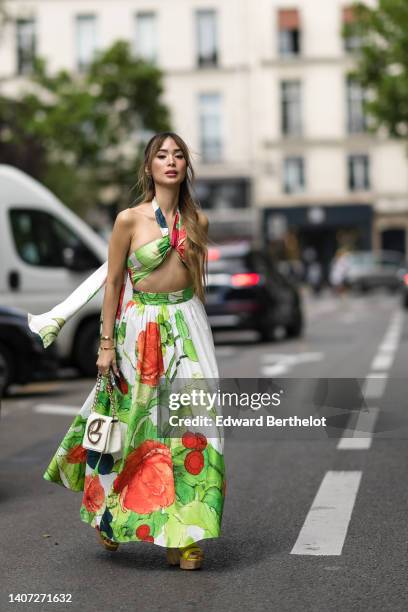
x=138 y=213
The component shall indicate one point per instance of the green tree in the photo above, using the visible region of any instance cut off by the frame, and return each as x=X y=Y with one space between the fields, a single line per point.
x=80 y=134
x=381 y=62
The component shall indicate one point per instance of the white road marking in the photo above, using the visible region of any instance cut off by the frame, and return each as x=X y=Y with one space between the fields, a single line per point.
x=382 y=361
x=389 y=346
x=353 y=439
x=275 y=370
x=283 y=362
x=325 y=527
x=56 y=409
x=360 y=437
x=374 y=385
x=292 y=358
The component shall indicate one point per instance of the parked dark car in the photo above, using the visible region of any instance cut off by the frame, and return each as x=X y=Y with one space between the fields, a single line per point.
x=23 y=358
x=403 y=277
x=246 y=291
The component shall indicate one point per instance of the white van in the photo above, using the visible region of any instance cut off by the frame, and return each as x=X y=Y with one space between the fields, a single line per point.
x=46 y=251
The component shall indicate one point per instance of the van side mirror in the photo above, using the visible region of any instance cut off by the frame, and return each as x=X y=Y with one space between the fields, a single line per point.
x=79 y=258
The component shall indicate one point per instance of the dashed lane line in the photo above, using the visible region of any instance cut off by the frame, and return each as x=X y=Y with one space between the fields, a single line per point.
x=285 y=361
x=56 y=409
x=325 y=528
x=360 y=437
x=374 y=385
x=382 y=361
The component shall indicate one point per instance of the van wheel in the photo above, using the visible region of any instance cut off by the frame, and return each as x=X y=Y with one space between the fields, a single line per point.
x=86 y=348
x=6 y=369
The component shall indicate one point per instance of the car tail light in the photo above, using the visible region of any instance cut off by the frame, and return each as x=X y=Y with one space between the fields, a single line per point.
x=405 y=277
x=245 y=279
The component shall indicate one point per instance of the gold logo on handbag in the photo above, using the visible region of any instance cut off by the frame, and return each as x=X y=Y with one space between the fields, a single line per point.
x=103 y=433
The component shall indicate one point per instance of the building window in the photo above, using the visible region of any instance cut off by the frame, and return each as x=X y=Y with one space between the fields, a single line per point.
x=289 y=32
x=358 y=172
x=223 y=193
x=351 y=42
x=86 y=40
x=26 y=45
x=206 y=28
x=210 y=127
x=291 y=108
x=293 y=175
x=146 y=36
x=356 y=117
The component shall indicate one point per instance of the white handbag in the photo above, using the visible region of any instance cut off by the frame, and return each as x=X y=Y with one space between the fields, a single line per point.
x=103 y=433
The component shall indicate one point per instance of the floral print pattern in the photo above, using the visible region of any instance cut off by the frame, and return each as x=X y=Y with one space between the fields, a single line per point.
x=146 y=482
x=149 y=356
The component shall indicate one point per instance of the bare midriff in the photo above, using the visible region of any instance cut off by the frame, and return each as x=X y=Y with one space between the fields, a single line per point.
x=171 y=275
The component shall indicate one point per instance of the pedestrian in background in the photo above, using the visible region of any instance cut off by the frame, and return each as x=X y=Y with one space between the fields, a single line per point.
x=338 y=270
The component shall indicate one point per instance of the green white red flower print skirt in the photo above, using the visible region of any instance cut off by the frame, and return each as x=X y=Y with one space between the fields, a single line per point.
x=162 y=487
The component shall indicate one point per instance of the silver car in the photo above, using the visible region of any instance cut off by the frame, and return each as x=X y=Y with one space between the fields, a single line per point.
x=365 y=270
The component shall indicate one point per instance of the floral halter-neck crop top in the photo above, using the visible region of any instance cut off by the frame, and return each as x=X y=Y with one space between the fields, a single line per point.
x=149 y=256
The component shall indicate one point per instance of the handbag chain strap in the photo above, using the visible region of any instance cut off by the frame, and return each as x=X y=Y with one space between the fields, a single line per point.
x=110 y=391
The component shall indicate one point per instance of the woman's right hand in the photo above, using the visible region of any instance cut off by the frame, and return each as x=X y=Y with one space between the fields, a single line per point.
x=107 y=360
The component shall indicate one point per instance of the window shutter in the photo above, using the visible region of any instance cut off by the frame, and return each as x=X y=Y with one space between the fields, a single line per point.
x=288 y=19
x=348 y=16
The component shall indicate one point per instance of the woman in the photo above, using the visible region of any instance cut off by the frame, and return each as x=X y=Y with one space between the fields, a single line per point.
x=167 y=484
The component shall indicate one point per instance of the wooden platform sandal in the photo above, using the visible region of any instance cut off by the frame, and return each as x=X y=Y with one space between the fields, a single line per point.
x=107 y=543
x=190 y=557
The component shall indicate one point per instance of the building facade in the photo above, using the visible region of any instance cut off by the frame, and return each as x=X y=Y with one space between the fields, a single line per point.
x=261 y=94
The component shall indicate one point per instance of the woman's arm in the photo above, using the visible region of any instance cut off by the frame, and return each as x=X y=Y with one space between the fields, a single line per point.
x=117 y=254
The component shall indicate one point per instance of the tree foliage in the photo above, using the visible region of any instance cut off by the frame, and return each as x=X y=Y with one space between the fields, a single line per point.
x=382 y=61
x=81 y=133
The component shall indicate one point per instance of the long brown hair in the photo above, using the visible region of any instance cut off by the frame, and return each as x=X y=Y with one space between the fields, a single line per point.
x=196 y=241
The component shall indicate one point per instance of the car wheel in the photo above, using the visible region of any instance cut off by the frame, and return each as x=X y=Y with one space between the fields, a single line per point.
x=295 y=330
x=6 y=369
x=267 y=334
x=405 y=300
x=86 y=347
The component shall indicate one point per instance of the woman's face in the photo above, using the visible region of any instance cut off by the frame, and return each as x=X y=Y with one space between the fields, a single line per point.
x=169 y=164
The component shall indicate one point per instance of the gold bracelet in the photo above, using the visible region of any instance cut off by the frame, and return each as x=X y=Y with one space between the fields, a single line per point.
x=105 y=337
x=107 y=348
